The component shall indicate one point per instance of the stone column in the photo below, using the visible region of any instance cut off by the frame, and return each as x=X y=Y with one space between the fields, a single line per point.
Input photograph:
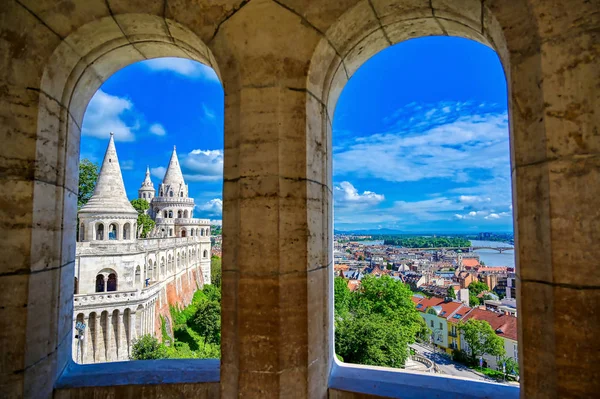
x=554 y=79
x=274 y=325
x=132 y=331
x=108 y=345
x=86 y=338
x=121 y=339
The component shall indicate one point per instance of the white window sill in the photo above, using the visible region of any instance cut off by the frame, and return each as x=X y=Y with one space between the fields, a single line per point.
x=395 y=383
x=140 y=372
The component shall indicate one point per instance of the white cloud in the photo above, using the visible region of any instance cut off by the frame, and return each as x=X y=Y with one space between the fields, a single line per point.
x=214 y=207
x=203 y=165
x=492 y=216
x=472 y=199
x=158 y=172
x=104 y=115
x=346 y=194
x=208 y=113
x=157 y=129
x=126 y=165
x=183 y=67
x=431 y=144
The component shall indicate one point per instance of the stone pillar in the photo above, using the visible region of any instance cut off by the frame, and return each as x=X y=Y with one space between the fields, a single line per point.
x=273 y=343
x=86 y=338
x=132 y=332
x=555 y=144
x=108 y=347
x=121 y=340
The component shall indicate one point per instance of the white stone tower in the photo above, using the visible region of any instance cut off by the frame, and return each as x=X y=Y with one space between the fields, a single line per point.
x=147 y=191
x=108 y=216
x=172 y=208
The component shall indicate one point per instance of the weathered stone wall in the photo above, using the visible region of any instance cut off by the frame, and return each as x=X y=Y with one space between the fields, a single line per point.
x=283 y=64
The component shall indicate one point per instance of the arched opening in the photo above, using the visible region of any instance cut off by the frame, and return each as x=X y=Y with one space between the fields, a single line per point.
x=82 y=232
x=165 y=214
x=183 y=233
x=138 y=275
x=111 y=284
x=432 y=155
x=162 y=266
x=100 y=283
x=205 y=253
x=113 y=231
x=75 y=286
x=179 y=214
x=99 y=231
x=202 y=232
x=171 y=194
x=127 y=231
x=143 y=195
x=170 y=214
x=185 y=214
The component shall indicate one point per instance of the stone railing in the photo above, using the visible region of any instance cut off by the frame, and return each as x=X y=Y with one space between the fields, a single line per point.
x=423 y=360
x=116 y=298
x=173 y=200
x=141 y=245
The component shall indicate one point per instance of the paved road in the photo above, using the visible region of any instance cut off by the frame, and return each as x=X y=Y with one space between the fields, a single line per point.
x=447 y=366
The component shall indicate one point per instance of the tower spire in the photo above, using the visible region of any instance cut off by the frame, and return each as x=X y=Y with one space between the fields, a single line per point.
x=109 y=195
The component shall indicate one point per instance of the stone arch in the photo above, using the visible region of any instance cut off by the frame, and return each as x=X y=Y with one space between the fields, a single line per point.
x=170 y=214
x=113 y=231
x=127 y=231
x=179 y=214
x=205 y=254
x=99 y=231
x=183 y=233
x=100 y=283
x=138 y=274
x=360 y=33
x=202 y=232
x=186 y=214
x=111 y=282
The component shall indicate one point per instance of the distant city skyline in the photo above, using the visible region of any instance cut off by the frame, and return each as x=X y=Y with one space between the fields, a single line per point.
x=420 y=140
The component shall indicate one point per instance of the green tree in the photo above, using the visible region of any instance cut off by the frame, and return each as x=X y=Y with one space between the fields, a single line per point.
x=215 y=271
x=380 y=323
x=512 y=367
x=207 y=322
x=147 y=347
x=141 y=205
x=481 y=339
x=477 y=287
x=450 y=293
x=341 y=297
x=88 y=175
x=474 y=301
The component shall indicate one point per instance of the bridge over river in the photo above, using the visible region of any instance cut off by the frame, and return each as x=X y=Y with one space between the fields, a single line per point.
x=464 y=249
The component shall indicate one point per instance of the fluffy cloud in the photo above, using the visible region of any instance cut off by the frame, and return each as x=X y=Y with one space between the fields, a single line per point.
x=211 y=208
x=184 y=67
x=473 y=199
x=158 y=172
x=346 y=194
x=105 y=114
x=126 y=165
x=203 y=165
x=157 y=129
x=450 y=141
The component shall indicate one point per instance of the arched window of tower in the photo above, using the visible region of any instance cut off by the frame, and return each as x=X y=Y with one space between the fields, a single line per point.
x=111 y=284
x=100 y=283
x=112 y=231
x=99 y=231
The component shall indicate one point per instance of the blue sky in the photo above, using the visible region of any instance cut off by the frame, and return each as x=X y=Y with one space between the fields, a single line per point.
x=420 y=136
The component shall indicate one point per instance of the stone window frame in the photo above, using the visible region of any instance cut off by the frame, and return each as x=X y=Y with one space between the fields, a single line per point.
x=325 y=82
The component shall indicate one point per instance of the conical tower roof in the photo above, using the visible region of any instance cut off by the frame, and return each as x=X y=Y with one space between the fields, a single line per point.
x=109 y=195
x=173 y=176
x=147 y=183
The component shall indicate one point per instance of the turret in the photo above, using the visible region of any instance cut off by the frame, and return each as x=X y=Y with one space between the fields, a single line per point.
x=173 y=184
x=146 y=190
x=108 y=216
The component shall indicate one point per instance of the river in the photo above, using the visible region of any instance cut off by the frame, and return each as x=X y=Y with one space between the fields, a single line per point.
x=494 y=258
x=488 y=256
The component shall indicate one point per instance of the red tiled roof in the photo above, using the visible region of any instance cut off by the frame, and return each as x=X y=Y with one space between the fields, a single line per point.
x=429 y=302
x=353 y=285
x=504 y=325
x=470 y=262
x=494 y=269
